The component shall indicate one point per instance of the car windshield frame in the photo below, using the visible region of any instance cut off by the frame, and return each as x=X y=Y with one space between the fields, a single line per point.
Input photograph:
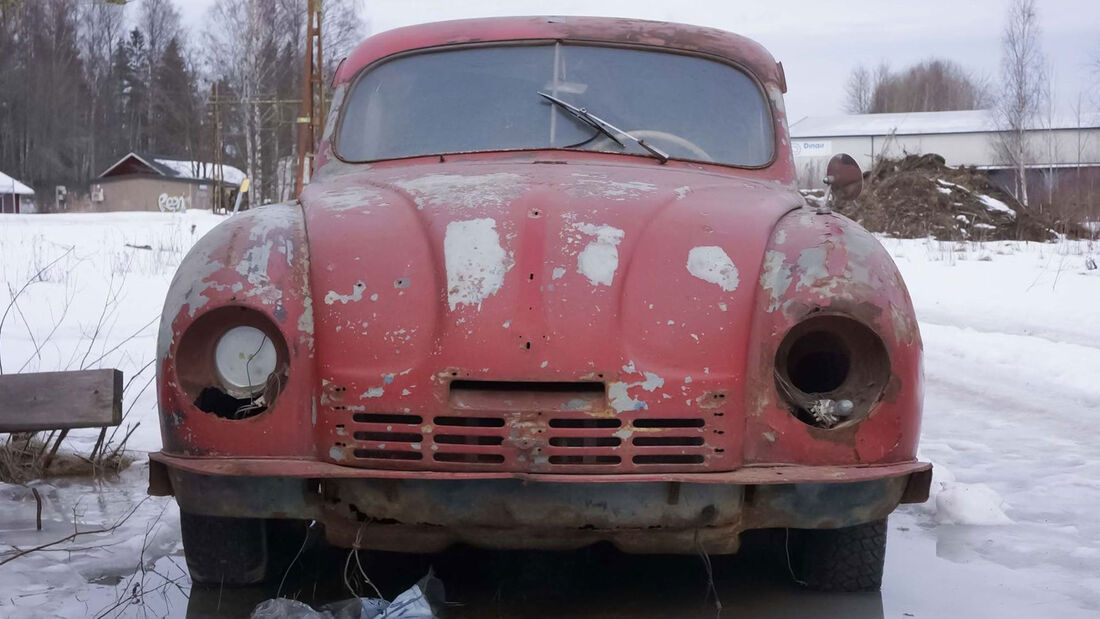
x=350 y=85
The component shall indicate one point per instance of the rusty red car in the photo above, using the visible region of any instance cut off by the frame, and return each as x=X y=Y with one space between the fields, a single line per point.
x=551 y=285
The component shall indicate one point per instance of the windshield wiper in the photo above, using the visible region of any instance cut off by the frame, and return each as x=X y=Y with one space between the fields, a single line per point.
x=603 y=126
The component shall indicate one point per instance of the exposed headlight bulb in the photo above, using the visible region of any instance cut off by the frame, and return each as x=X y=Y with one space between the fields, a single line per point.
x=829 y=412
x=244 y=357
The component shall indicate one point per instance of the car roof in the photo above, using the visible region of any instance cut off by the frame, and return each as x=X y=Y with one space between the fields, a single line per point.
x=683 y=37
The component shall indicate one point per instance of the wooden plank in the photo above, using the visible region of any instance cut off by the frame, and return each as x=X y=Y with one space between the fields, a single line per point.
x=60 y=400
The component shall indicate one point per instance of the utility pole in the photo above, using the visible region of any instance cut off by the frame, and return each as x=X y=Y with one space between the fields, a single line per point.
x=311 y=118
x=219 y=170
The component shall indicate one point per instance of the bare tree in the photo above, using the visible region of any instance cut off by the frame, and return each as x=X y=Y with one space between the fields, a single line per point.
x=858 y=90
x=1096 y=77
x=256 y=46
x=934 y=85
x=1047 y=121
x=1021 y=90
x=159 y=21
x=342 y=30
x=100 y=27
x=239 y=33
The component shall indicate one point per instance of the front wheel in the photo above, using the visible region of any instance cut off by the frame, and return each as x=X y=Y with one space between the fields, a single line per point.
x=849 y=559
x=224 y=551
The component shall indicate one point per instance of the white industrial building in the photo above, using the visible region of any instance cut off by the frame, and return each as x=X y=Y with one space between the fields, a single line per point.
x=964 y=138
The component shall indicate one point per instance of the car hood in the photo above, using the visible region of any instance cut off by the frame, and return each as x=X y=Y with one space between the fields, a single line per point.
x=528 y=271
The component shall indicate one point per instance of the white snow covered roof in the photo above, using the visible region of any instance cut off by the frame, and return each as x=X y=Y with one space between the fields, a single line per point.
x=10 y=185
x=922 y=123
x=179 y=168
x=200 y=170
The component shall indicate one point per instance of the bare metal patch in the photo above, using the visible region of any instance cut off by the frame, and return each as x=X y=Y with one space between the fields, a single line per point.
x=712 y=264
x=356 y=294
x=475 y=261
x=599 y=260
x=776 y=278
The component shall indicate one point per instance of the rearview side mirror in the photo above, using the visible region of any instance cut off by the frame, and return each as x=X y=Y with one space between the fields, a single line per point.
x=844 y=178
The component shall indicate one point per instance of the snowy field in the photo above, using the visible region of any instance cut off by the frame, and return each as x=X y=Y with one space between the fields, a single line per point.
x=1012 y=342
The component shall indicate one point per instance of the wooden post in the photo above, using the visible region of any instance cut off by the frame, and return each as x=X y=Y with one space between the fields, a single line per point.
x=38 y=508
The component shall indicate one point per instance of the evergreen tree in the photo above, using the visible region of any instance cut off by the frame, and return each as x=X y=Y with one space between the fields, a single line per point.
x=135 y=91
x=174 y=122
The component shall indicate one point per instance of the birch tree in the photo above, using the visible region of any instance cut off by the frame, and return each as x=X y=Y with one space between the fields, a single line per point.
x=1021 y=90
x=239 y=33
x=256 y=45
x=100 y=28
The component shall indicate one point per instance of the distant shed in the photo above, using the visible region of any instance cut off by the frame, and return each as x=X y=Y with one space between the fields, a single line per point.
x=13 y=194
x=139 y=182
x=963 y=138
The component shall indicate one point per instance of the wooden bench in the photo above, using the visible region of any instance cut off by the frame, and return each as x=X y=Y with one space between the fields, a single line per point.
x=50 y=401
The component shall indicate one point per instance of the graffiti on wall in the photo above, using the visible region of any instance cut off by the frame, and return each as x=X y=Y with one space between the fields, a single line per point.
x=172 y=204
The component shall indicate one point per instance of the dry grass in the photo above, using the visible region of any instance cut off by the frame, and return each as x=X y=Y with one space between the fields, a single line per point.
x=25 y=457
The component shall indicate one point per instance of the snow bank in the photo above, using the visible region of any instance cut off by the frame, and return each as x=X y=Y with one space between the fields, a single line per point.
x=94 y=289
x=1012 y=347
x=993 y=204
x=969 y=504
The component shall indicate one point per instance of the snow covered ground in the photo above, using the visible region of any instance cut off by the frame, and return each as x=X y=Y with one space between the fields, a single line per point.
x=1012 y=342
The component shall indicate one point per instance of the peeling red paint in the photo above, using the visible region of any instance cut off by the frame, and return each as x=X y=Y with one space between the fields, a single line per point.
x=616 y=318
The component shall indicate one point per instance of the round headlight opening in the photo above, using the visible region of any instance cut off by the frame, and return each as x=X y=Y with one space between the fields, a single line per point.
x=232 y=362
x=831 y=369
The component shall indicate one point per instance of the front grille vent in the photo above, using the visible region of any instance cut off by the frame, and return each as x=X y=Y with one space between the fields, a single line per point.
x=558 y=441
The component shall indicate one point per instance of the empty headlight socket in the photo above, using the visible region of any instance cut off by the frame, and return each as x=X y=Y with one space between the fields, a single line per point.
x=831 y=362
x=198 y=376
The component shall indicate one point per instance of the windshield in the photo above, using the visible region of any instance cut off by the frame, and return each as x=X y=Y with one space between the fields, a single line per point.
x=487 y=98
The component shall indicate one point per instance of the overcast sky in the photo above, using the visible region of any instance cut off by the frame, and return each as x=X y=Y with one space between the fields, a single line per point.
x=818 y=42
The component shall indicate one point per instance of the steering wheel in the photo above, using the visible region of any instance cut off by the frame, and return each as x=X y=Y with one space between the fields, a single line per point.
x=671 y=138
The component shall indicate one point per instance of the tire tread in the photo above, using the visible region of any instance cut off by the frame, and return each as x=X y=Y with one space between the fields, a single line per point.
x=849 y=559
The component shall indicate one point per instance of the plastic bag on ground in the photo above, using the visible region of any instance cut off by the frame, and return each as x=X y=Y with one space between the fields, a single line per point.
x=416 y=602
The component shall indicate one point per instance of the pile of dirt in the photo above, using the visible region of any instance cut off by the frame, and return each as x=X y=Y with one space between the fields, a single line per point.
x=919 y=196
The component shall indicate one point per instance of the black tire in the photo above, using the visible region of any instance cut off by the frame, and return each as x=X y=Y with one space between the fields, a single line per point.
x=844 y=560
x=231 y=552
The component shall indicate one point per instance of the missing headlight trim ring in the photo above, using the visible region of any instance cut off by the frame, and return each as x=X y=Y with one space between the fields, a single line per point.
x=831 y=369
x=204 y=384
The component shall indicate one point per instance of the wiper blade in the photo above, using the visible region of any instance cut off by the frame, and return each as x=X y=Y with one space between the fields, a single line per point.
x=603 y=126
x=582 y=115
